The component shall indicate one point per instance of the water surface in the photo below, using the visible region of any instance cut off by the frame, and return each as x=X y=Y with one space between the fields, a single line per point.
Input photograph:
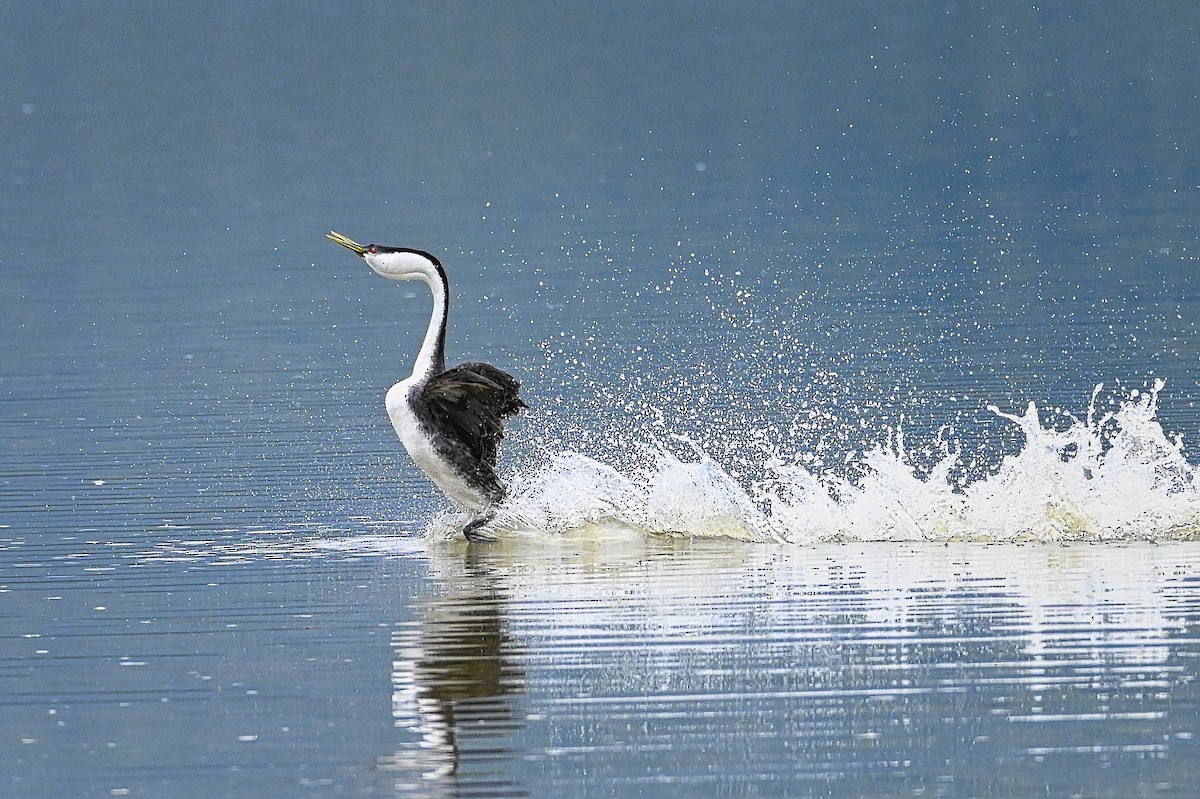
x=601 y=665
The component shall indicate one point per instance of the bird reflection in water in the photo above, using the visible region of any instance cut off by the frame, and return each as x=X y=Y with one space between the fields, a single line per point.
x=452 y=676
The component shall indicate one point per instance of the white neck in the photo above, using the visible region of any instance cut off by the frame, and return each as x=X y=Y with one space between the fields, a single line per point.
x=431 y=358
x=404 y=264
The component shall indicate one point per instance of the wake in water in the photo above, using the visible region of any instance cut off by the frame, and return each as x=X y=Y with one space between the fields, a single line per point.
x=1110 y=477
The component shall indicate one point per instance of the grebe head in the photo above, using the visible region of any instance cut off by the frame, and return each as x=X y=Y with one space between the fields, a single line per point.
x=396 y=263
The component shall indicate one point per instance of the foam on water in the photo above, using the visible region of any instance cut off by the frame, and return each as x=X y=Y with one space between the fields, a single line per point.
x=1110 y=477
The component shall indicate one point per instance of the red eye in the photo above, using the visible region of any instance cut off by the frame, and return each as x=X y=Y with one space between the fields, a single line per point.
x=373 y=250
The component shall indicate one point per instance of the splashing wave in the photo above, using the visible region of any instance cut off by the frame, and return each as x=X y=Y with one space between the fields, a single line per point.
x=1115 y=477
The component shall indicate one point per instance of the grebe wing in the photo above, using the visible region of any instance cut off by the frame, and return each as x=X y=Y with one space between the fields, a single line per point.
x=473 y=400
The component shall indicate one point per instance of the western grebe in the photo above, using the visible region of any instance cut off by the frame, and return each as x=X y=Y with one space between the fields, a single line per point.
x=450 y=420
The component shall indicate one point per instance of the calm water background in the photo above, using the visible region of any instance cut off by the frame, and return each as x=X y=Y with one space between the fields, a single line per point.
x=783 y=226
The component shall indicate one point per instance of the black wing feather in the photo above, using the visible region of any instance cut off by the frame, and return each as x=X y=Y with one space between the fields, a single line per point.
x=474 y=400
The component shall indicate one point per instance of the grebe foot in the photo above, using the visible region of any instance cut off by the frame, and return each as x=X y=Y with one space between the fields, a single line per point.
x=474 y=531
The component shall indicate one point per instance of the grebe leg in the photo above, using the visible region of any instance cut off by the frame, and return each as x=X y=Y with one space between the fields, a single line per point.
x=473 y=532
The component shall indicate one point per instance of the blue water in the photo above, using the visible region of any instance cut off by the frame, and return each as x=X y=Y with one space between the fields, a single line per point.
x=781 y=283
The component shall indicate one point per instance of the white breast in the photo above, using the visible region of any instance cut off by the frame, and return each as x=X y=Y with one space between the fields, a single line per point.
x=417 y=441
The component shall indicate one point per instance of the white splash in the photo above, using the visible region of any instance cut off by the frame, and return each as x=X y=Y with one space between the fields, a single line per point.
x=1113 y=478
